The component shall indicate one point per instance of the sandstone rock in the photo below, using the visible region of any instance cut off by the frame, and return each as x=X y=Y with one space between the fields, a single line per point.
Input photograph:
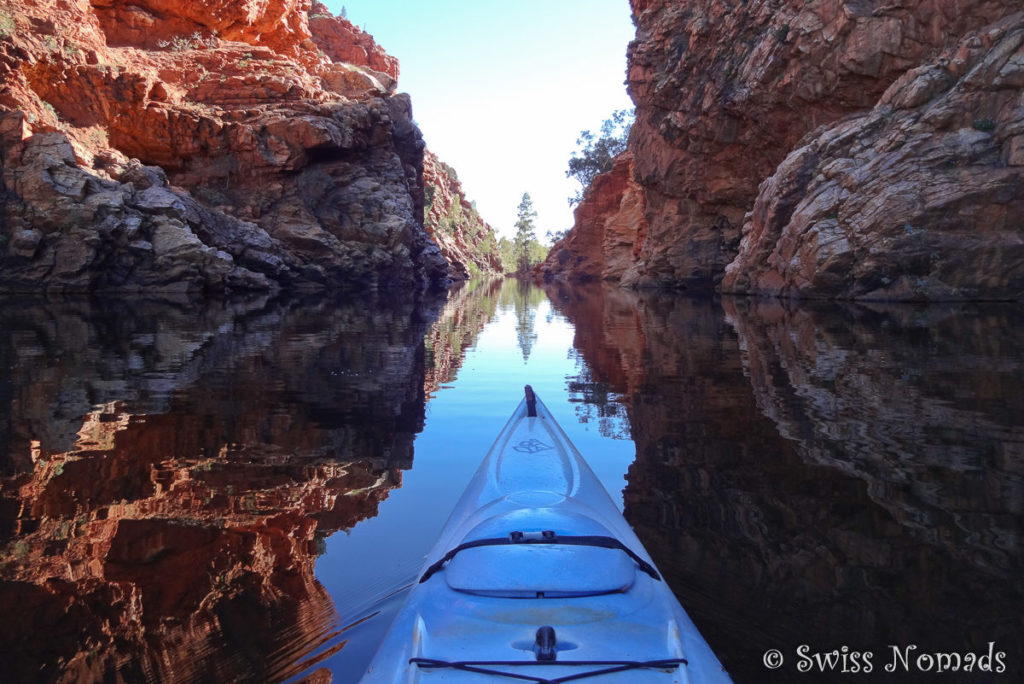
x=25 y=243
x=281 y=24
x=725 y=91
x=92 y=233
x=142 y=177
x=467 y=242
x=171 y=237
x=353 y=82
x=224 y=116
x=898 y=203
x=342 y=41
x=608 y=231
x=160 y=200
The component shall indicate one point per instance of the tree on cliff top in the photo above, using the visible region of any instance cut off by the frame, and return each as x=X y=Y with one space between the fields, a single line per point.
x=524 y=233
x=596 y=154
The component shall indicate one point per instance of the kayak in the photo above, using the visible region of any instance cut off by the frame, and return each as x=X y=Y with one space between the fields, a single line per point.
x=537 y=577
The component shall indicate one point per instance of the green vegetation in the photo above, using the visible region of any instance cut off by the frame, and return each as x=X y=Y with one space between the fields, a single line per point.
x=596 y=153
x=7 y=25
x=985 y=125
x=49 y=107
x=343 y=14
x=459 y=219
x=98 y=137
x=536 y=253
x=522 y=252
x=320 y=539
x=553 y=237
x=193 y=42
x=524 y=233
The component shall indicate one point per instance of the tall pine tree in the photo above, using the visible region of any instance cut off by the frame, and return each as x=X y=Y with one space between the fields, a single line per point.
x=524 y=233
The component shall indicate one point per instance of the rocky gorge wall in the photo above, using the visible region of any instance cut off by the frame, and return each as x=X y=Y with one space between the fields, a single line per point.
x=830 y=148
x=198 y=146
x=608 y=230
x=466 y=240
x=922 y=197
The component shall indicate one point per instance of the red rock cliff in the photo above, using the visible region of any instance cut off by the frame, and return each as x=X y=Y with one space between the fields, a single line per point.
x=173 y=144
x=466 y=240
x=608 y=230
x=920 y=198
x=725 y=91
x=343 y=41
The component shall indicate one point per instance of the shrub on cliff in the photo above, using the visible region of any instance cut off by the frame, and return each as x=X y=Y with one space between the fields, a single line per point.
x=596 y=153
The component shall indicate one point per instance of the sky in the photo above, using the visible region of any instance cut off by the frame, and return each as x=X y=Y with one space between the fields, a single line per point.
x=502 y=89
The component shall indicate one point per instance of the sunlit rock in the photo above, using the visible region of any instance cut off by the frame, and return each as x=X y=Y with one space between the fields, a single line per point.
x=251 y=125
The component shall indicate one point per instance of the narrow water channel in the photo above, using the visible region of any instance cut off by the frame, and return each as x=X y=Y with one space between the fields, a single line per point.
x=243 y=491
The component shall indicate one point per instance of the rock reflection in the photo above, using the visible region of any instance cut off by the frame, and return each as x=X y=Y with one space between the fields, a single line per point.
x=840 y=476
x=469 y=308
x=168 y=475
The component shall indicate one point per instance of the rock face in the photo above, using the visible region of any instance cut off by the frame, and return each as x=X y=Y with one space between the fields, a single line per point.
x=920 y=198
x=466 y=240
x=343 y=41
x=725 y=91
x=204 y=146
x=608 y=230
x=154 y=525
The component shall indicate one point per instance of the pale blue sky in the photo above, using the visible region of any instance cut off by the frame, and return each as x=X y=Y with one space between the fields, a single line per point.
x=501 y=90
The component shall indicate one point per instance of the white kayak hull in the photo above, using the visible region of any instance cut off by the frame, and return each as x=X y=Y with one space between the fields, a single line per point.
x=536 y=577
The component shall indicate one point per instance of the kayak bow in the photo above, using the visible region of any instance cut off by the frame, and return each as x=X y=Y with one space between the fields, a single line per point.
x=537 y=577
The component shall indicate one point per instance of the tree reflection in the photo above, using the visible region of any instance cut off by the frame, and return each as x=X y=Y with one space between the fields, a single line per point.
x=524 y=297
x=597 y=402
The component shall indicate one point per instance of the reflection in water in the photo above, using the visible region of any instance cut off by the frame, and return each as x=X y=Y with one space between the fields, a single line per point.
x=167 y=476
x=525 y=298
x=597 y=401
x=841 y=476
x=462 y=422
x=470 y=307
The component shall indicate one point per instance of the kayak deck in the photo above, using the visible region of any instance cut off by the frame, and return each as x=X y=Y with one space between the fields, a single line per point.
x=538 y=577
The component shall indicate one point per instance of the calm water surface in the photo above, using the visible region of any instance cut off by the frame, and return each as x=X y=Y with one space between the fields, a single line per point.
x=244 y=491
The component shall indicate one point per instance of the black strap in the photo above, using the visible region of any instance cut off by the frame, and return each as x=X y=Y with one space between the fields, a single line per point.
x=546 y=537
x=531 y=402
x=607 y=667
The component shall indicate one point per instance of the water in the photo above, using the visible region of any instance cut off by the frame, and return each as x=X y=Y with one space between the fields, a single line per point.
x=244 y=491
